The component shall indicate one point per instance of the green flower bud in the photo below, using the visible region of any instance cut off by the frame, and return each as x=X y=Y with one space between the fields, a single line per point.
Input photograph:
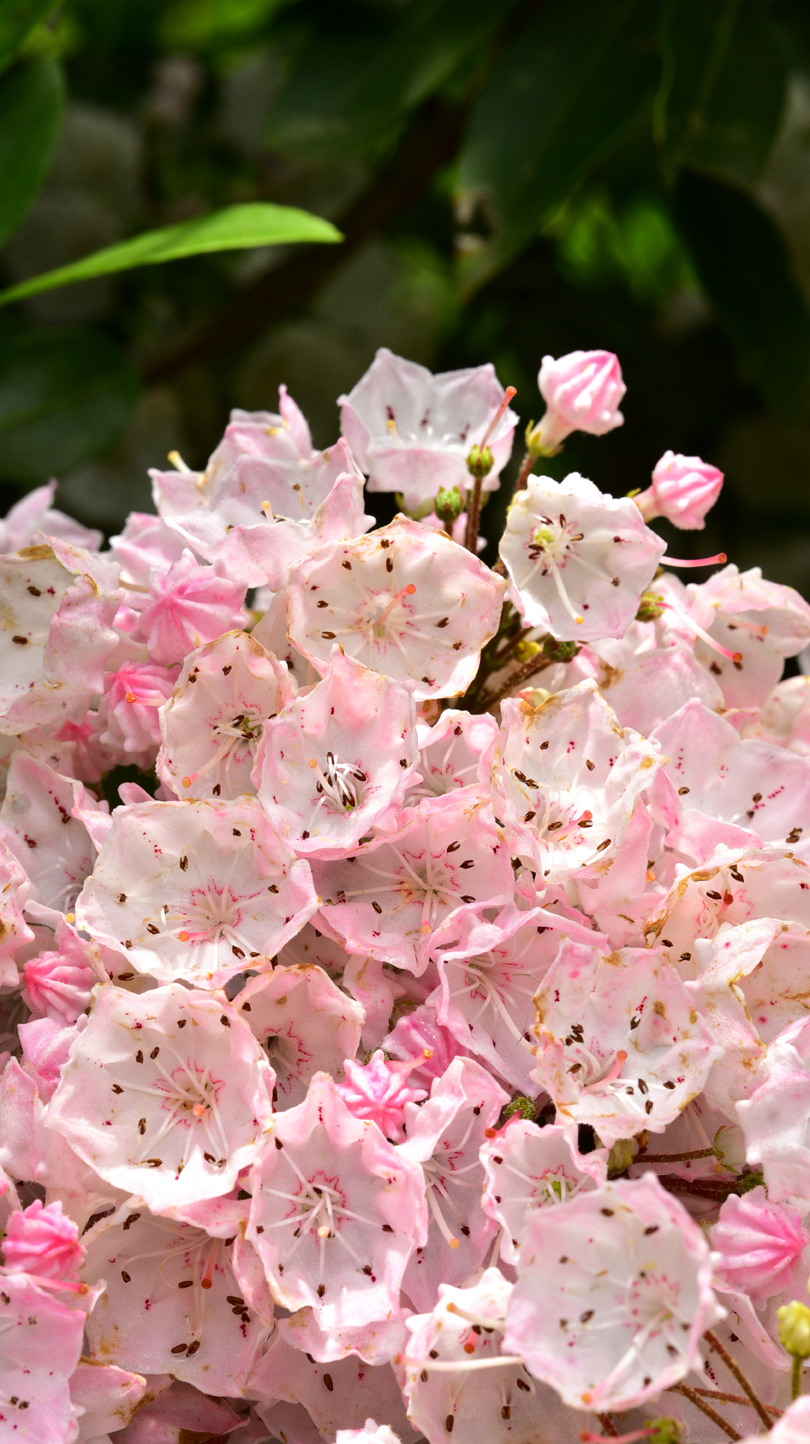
x=416 y=513
x=621 y=1156
x=794 y=1329
x=525 y=650
x=559 y=651
x=520 y=1107
x=667 y=1431
x=479 y=462
x=448 y=505
x=650 y=607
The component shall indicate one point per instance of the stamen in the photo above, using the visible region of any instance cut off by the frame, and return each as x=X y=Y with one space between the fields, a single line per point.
x=699 y=632
x=564 y=597
x=702 y=562
x=507 y=397
x=178 y=463
x=407 y=591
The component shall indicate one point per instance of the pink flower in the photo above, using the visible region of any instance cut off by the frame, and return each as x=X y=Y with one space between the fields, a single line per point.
x=583 y=392
x=759 y=1243
x=187 y=606
x=412 y=432
x=128 y=711
x=578 y=561
x=613 y=1295
x=43 y=1242
x=379 y=1091
x=683 y=489
x=58 y=984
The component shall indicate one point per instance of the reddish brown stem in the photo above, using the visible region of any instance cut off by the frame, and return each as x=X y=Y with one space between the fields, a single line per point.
x=535 y=664
x=735 y=1399
x=675 y=1157
x=608 y=1426
x=525 y=471
x=706 y=1409
x=734 y=1368
x=473 y=516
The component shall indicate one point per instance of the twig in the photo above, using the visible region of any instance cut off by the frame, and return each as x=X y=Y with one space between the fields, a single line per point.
x=675 y=1157
x=706 y=1409
x=535 y=664
x=525 y=471
x=735 y=1399
x=608 y=1426
x=473 y=516
x=734 y=1368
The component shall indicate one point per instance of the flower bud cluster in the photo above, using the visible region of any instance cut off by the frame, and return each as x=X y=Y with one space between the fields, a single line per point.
x=404 y=961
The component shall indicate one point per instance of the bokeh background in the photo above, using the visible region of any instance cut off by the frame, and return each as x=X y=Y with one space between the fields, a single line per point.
x=512 y=179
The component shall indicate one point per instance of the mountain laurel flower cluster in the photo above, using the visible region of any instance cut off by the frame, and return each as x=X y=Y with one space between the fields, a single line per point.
x=404 y=960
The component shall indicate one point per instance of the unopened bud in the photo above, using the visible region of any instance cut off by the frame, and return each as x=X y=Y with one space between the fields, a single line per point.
x=448 y=505
x=537 y=444
x=479 y=462
x=520 y=1107
x=650 y=607
x=665 y=1431
x=794 y=1329
x=559 y=651
x=621 y=1156
x=416 y=513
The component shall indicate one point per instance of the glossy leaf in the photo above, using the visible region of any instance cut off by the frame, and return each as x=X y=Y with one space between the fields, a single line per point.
x=567 y=88
x=31 y=105
x=352 y=84
x=723 y=87
x=17 y=20
x=64 y=394
x=743 y=264
x=233 y=229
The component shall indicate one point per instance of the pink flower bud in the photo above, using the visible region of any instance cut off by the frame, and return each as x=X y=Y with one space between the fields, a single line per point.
x=41 y=1241
x=379 y=1091
x=583 y=392
x=759 y=1243
x=683 y=489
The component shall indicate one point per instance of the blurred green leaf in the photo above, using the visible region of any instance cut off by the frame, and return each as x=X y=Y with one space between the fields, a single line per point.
x=354 y=81
x=743 y=264
x=64 y=394
x=569 y=86
x=723 y=87
x=31 y=105
x=203 y=24
x=17 y=20
x=234 y=229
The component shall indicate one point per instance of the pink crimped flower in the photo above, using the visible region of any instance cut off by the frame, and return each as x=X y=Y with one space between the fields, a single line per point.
x=759 y=1243
x=128 y=711
x=187 y=606
x=58 y=984
x=583 y=392
x=426 y=1044
x=379 y=1091
x=683 y=489
x=41 y=1241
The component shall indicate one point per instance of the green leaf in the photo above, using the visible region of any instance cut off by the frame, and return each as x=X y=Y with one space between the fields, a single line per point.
x=208 y=24
x=354 y=82
x=566 y=90
x=234 y=229
x=64 y=394
x=31 y=104
x=743 y=264
x=723 y=87
x=17 y=20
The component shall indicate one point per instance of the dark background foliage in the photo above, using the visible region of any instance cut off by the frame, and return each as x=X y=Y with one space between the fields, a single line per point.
x=512 y=177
